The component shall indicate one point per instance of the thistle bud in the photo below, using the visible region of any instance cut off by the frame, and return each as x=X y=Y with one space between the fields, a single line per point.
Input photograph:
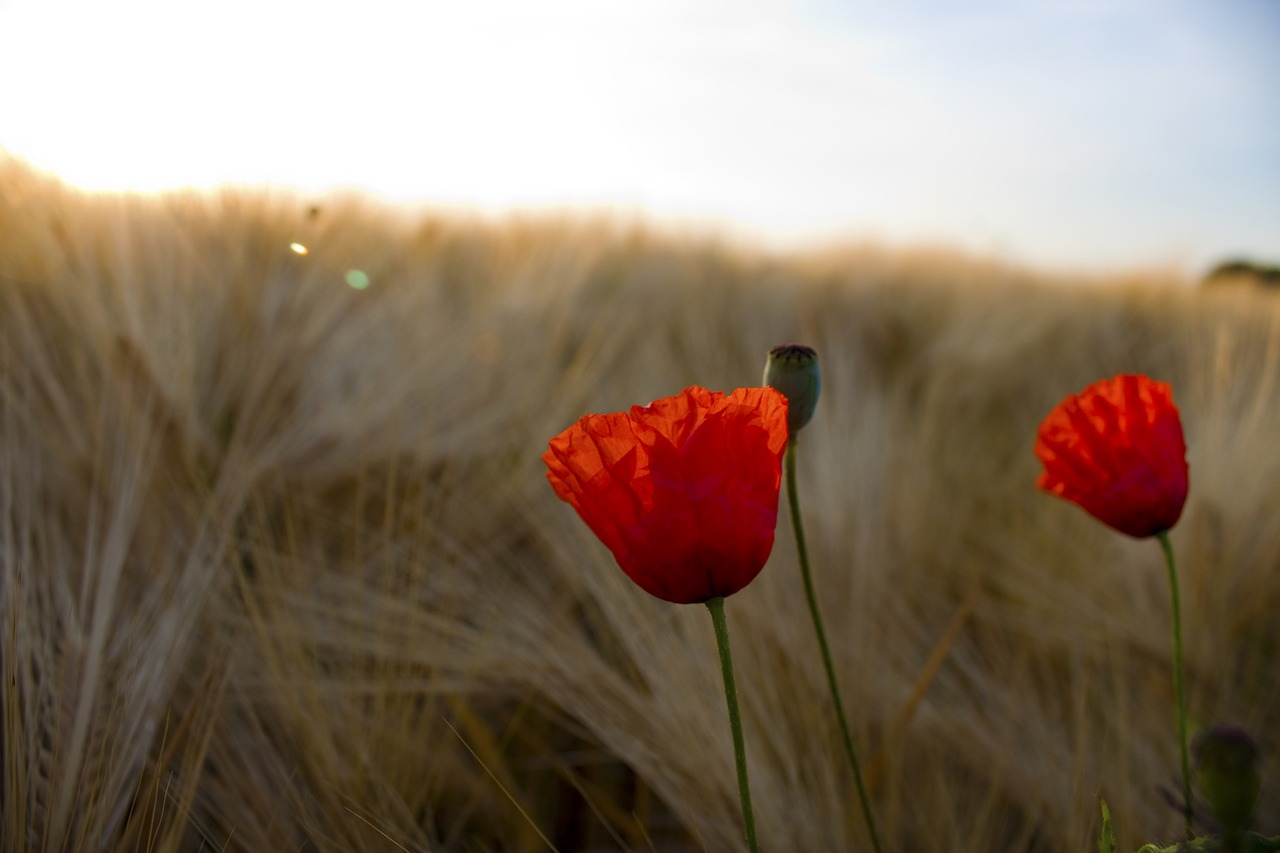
x=793 y=370
x=1227 y=771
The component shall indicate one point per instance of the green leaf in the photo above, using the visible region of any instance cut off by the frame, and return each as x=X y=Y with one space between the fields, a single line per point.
x=1107 y=839
x=1250 y=842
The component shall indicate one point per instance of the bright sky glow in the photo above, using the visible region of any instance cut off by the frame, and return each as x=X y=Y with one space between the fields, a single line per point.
x=1081 y=133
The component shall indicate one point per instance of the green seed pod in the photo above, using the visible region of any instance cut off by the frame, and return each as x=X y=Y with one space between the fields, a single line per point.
x=1227 y=772
x=793 y=370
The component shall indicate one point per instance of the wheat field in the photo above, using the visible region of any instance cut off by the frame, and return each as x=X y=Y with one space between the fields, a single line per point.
x=280 y=569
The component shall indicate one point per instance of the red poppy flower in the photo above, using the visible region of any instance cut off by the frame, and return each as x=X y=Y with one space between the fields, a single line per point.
x=683 y=491
x=1117 y=450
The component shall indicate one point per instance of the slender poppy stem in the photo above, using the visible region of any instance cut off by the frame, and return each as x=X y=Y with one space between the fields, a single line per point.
x=1179 y=675
x=805 y=572
x=716 y=606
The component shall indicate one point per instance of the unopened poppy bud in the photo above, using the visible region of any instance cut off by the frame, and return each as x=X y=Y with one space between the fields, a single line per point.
x=793 y=370
x=1227 y=770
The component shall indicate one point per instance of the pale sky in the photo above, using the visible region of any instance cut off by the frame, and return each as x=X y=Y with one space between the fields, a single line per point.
x=1091 y=134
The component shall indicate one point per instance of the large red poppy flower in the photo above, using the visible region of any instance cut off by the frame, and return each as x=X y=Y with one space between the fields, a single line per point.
x=683 y=491
x=1117 y=450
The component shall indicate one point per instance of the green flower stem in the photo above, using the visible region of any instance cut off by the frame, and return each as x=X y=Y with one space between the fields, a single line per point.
x=805 y=572
x=1179 y=676
x=716 y=606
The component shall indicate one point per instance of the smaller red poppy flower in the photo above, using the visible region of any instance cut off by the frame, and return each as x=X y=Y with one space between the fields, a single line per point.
x=683 y=491
x=1117 y=450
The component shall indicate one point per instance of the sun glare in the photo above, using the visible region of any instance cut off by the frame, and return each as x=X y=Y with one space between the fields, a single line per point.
x=461 y=106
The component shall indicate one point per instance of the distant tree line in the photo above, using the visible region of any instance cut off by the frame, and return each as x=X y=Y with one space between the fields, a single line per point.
x=1241 y=271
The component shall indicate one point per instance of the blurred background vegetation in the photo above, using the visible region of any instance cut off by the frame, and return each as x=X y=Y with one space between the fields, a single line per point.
x=280 y=570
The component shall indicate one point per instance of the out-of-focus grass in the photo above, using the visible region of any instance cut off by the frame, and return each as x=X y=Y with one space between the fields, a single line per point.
x=279 y=568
